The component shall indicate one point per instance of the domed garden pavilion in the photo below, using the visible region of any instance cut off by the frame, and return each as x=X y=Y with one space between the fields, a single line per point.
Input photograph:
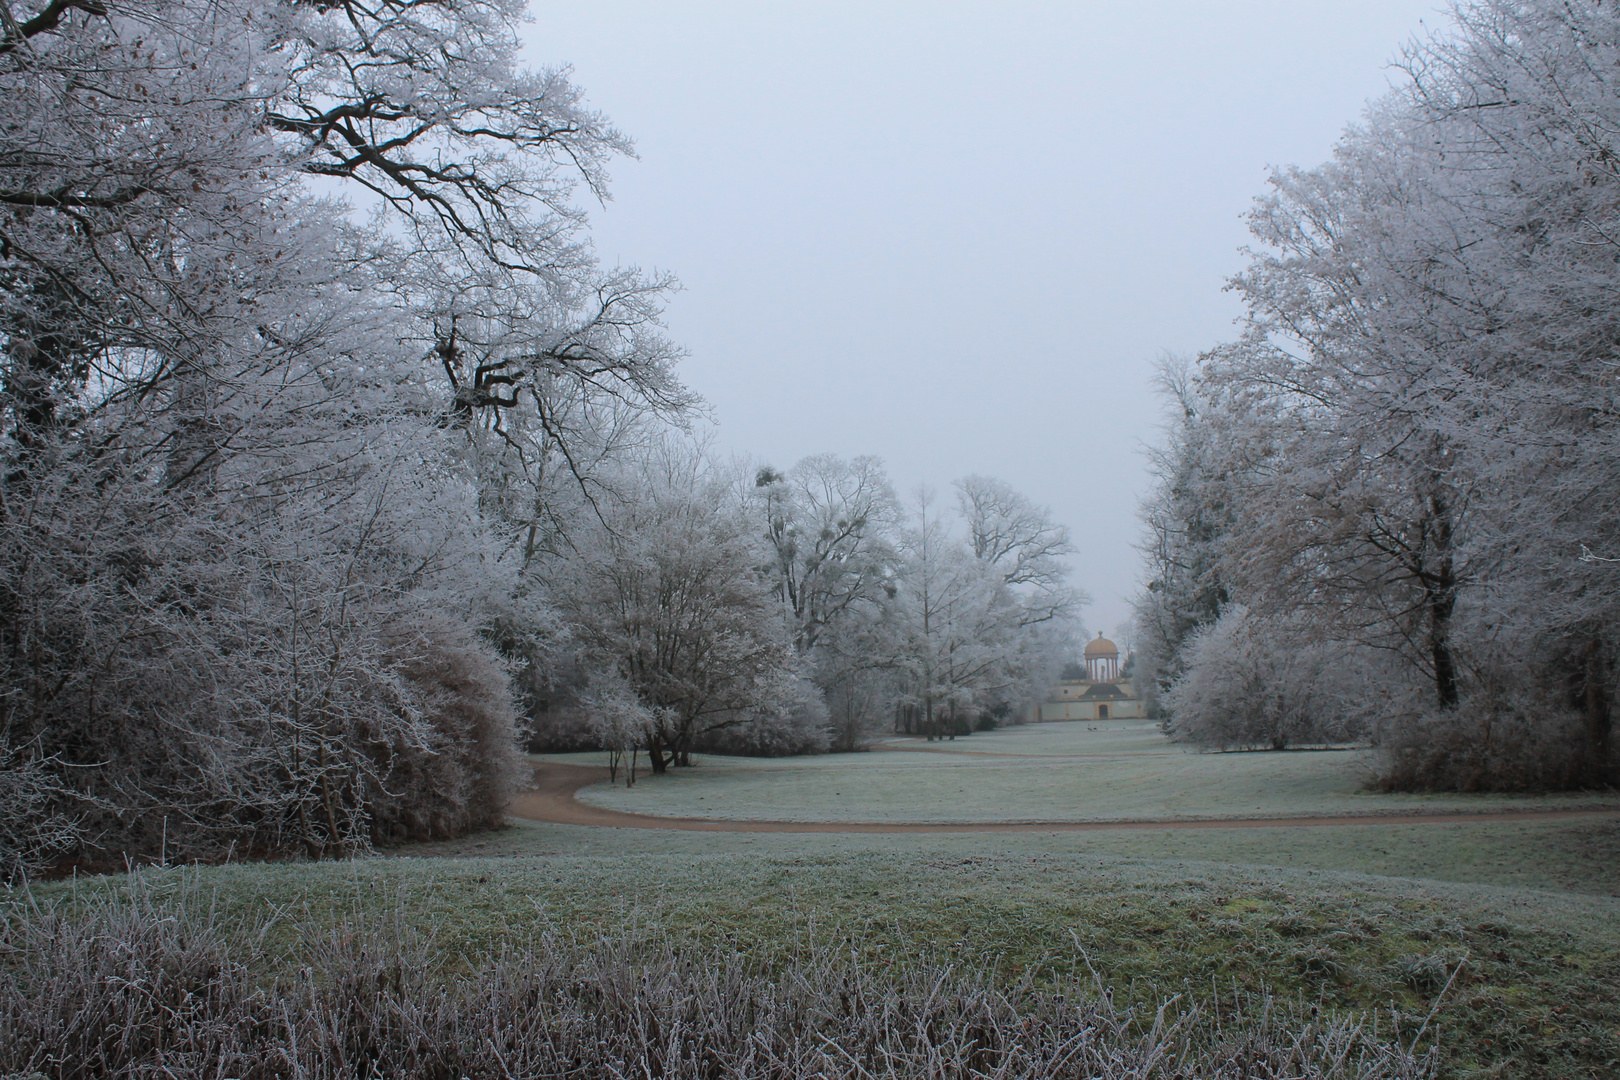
x=1093 y=692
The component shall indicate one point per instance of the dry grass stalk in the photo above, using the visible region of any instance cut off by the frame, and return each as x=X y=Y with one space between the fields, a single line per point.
x=139 y=986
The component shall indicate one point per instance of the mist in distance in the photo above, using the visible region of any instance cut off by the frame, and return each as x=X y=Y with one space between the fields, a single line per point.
x=954 y=235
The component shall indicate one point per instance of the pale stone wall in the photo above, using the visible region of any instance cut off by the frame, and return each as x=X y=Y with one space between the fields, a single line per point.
x=1127 y=709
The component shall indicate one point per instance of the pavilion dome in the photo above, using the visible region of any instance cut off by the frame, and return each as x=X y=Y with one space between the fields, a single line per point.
x=1100 y=646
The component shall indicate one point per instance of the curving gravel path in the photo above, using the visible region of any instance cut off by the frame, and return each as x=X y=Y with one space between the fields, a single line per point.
x=552 y=800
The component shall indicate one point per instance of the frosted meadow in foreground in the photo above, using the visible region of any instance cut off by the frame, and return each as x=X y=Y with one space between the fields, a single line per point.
x=1530 y=971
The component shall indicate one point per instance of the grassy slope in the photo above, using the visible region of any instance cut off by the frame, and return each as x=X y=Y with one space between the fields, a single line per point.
x=1052 y=772
x=1537 y=997
x=1206 y=912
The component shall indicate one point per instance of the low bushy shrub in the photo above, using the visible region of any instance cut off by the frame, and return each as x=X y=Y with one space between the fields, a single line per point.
x=1491 y=742
x=799 y=726
x=459 y=775
x=1268 y=683
x=252 y=669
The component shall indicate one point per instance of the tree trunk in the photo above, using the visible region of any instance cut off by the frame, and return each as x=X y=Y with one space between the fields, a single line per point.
x=1440 y=598
x=1445 y=666
x=48 y=361
x=655 y=755
x=1599 y=722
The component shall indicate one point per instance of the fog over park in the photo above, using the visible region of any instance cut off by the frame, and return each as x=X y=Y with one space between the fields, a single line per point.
x=577 y=539
x=957 y=235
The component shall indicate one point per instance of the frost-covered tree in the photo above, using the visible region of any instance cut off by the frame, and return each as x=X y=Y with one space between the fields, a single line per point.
x=831 y=525
x=967 y=638
x=1415 y=431
x=666 y=593
x=1011 y=533
x=942 y=595
x=1358 y=496
x=620 y=722
x=1526 y=93
x=1187 y=518
x=246 y=572
x=1022 y=543
x=1036 y=610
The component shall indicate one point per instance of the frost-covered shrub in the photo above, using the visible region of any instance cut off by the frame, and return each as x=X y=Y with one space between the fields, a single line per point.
x=1494 y=740
x=798 y=725
x=561 y=726
x=244 y=667
x=33 y=825
x=1252 y=682
x=459 y=772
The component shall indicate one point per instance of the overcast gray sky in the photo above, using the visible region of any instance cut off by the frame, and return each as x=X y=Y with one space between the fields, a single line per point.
x=956 y=235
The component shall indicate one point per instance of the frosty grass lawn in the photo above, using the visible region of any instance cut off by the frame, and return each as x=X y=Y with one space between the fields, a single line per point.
x=1364 y=918
x=1048 y=772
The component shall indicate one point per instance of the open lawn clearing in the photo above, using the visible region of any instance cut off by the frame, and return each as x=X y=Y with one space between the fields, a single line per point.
x=1575 y=856
x=1053 y=737
x=552 y=799
x=1537 y=996
x=1039 y=772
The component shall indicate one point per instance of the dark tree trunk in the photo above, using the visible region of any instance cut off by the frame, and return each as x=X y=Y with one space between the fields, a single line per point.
x=655 y=755
x=46 y=362
x=1599 y=721
x=1445 y=665
x=1440 y=599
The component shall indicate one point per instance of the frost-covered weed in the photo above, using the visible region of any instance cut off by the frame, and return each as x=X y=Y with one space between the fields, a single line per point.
x=146 y=986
